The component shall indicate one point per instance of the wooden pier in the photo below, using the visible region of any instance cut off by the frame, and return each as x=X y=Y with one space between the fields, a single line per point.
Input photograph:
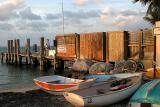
x=96 y=46
x=14 y=55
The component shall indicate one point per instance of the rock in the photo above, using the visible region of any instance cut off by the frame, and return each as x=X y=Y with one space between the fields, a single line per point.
x=100 y=67
x=82 y=65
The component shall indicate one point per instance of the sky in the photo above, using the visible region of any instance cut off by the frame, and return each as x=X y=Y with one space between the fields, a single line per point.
x=21 y=19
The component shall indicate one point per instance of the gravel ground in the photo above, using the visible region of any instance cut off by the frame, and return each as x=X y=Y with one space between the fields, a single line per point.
x=30 y=99
x=39 y=99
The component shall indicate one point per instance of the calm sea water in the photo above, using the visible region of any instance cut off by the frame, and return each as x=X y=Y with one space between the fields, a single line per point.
x=12 y=75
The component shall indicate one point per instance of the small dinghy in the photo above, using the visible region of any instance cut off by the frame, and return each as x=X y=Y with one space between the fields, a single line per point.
x=105 y=94
x=58 y=84
x=148 y=95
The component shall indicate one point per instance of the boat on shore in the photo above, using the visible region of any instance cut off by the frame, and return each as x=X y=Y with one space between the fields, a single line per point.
x=147 y=95
x=105 y=94
x=58 y=84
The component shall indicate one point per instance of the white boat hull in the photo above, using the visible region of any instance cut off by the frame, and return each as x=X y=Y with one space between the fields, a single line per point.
x=101 y=99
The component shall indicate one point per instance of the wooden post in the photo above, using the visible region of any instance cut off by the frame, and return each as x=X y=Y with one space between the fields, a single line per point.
x=19 y=59
x=42 y=58
x=8 y=51
x=15 y=51
x=107 y=47
x=12 y=50
x=2 y=55
x=35 y=47
x=77 y=46
x=6 y=57
x=28 y=52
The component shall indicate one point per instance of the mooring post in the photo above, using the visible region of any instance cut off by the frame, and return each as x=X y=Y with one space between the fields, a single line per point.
x=6 y=57
x=28 y=52
x=2 y=55
x=19 y=59
x=8 y=51
x=35 y=47
x=55 y=47
x=15 y=51
x=42 y=58
x=12 y=49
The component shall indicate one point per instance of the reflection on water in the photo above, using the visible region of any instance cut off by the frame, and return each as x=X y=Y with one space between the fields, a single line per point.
x=11 y=76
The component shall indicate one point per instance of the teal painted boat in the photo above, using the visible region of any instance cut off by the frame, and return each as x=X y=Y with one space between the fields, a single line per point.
x=148 y=93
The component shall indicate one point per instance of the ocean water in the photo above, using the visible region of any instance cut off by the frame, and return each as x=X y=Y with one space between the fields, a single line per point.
x=12 y=75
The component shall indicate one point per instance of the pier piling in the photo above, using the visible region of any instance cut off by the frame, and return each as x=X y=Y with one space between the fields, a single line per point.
x=28 y=58
x=12 y=50
x=42 y=59
x=19 y=59
x=2 y=55
x=8 y=56
x=35 y=47
x=15 y=50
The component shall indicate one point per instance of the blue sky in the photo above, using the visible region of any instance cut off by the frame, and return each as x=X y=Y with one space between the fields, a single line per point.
x=35 y=18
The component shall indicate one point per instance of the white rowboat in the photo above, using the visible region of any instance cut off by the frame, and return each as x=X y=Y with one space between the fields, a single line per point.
x=100 y=95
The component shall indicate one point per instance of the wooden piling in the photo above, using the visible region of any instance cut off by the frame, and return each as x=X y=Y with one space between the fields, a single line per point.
x=2 y=55
x=15 y=51
x=12 y=50
x=28 y=52
x=35 y=47
x=19 y=59
x=8 y=56
x=42 y=58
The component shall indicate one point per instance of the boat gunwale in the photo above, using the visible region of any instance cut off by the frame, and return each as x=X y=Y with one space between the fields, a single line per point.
x=73 y=83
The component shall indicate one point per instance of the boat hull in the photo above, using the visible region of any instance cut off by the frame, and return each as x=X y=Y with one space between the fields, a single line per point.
x=101 y=99
x=58 y=88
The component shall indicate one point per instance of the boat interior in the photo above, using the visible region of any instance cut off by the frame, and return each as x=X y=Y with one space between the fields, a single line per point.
x=108 y=87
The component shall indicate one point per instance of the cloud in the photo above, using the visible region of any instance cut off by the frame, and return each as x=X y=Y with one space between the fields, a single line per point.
x=105 y=12
x=86 y=2
x=132 y=12
x=122 y=19
x=82 y=14
x=37 y=26
x=6 y=27
x=80 y=2
x=51 y=16
x=28 y=14
x=8 y=7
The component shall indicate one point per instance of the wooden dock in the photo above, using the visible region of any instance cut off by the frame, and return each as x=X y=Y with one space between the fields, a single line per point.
x=15 y=56
x=106 y=47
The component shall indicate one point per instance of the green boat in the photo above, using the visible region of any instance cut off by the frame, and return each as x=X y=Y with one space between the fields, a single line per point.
x=148 y=95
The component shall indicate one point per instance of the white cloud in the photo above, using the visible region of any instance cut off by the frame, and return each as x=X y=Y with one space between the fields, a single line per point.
x=105 y=12
x=121 y=20
x=8 y=7
x=28 y=14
